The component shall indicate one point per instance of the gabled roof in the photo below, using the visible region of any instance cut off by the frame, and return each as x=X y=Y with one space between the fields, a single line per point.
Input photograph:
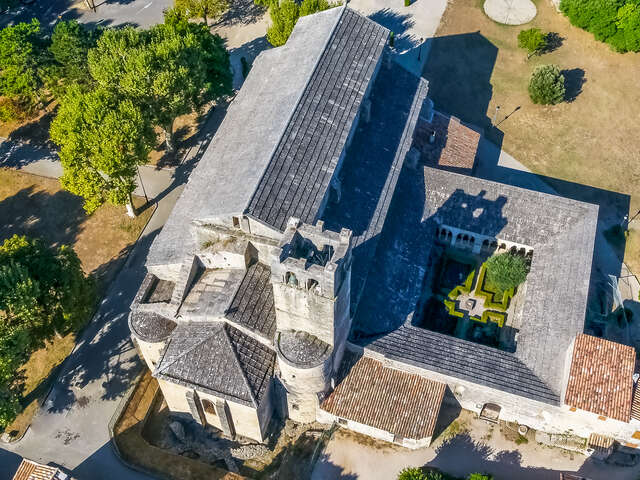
x=302 y=165
x=219 y=359
x=279 y=143
x=404 y=404
x=30 y=470
x=600 y=380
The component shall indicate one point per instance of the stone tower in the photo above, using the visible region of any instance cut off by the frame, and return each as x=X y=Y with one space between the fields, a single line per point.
x=311 y=280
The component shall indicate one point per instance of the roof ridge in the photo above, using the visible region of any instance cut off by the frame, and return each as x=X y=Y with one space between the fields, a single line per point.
x=295 y=106
x=188 y=350
x=225 y=327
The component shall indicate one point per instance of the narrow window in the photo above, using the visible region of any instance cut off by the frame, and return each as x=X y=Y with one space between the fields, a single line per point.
x=208 y=407
x=236 y=222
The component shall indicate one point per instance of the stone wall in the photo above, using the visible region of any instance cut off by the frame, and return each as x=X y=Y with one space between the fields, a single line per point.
x=246 y=420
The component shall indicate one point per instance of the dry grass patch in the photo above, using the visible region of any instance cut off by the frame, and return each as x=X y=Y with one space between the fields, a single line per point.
x=37 y=206
x=475 y=64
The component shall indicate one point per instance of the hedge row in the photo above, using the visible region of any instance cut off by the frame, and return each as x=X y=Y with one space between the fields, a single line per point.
x=490 y=300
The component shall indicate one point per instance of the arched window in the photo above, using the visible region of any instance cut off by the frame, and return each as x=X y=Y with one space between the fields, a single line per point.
x=207 y=406
x=311 y=284
x=290 y=279
x=522 y=251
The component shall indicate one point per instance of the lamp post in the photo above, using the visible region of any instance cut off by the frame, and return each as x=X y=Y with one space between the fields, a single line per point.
x=420 y=48
x=495 y=115
x=146 y=199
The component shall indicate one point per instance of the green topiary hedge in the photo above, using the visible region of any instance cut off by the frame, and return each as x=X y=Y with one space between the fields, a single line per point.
x=464 y=288
x=491 y=299
x=451 y=308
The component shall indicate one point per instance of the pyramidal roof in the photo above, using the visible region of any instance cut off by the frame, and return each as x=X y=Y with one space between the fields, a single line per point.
x=242 y=369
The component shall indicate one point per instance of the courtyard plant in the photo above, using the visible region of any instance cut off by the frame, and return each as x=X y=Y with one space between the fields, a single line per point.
x=506 y=271
x=286 y=13
x=533 y=40
x=546 y=85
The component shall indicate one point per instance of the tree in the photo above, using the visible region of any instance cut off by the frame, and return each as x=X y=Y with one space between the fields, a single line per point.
x=506 y=271
x=170 y=70
x=546 y=85
x=411 y=473
x=22 y=58
x=102 y=140
x=204 y=9
x=285 y=15
x=480 y=476
x=533 y=40
x=70 y=43
x=42 y=290
x=616 y=22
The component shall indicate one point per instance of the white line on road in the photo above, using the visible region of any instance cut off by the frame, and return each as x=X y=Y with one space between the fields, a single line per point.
x=146 y=6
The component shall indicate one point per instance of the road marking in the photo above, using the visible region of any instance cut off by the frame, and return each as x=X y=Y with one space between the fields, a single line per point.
x=146 y=6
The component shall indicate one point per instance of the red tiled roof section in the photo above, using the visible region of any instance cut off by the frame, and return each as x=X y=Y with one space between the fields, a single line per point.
x=455 y=145
x=29 y=470
x=601 y=377
x=401 y=403
x=635 y=404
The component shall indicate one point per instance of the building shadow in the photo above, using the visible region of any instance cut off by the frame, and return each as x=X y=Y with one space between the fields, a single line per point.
x=399 y=25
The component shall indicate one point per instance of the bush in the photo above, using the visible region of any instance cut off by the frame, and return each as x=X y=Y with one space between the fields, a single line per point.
x=407 y=3
x=391 y=39
x=285 y=14
x=506 y=271
x=546 y=85
x=480 y=476
x=616 y=22
x=411 y=473
x=532 y=40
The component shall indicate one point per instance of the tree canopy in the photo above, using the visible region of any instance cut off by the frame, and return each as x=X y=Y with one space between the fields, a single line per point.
x=533 y=40
x=546 y=85
x=43 y=291
x=205 y=9
x=22 y=60
x=102 y=140
x=285 y=14
x=506 y=271
x=70 y=44
x=616 y=22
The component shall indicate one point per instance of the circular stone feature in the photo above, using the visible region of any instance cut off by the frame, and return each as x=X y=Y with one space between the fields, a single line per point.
x=510 y=12
x=302 y=349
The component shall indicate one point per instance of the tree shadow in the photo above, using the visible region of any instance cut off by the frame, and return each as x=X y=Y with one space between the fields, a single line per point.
x=554 y=42
x=36 y=213
x=398 y=24
x=249 y=51
x=573 y=80
x=36 y=131
x=241 y=12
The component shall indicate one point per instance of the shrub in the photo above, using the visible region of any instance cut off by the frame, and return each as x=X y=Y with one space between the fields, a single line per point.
x=506 y=271
x=480 y=476
x=285 y=14
x=532 y=40
x=495 y=300
x=245 y=67
x=546 y=85
x=411 y=473
x=616 y=22
x=407 y=3
x=391 y=39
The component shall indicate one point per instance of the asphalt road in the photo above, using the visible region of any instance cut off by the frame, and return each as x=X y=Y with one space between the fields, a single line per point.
x=141 y=13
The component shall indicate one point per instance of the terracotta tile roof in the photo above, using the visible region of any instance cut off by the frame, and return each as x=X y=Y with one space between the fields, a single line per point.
x=571 y=476
x=29 y=470
x=600 y=442
x=600 y=380
x=401 y=403
x=455 y=144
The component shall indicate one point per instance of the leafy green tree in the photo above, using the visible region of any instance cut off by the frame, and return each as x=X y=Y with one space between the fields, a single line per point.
x=411 y=473
x=533 y=40
x=546 y=85
x=42 y=290
x=170 y=70
x=480 y=476
x=506 y=271
x=102 y=139
x=22 y=57
x=616 y=22
x=70 y=43
x=285 y=15
x=205 y=9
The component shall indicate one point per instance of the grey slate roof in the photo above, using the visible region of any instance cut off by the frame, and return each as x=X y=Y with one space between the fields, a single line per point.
x=275 y=152
x=252 y=305
x=302 y=348
x=562 y=234
x=370 y=172
x=301 y=168
x=150 y=326
x=234 y=162
x=219 y=359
